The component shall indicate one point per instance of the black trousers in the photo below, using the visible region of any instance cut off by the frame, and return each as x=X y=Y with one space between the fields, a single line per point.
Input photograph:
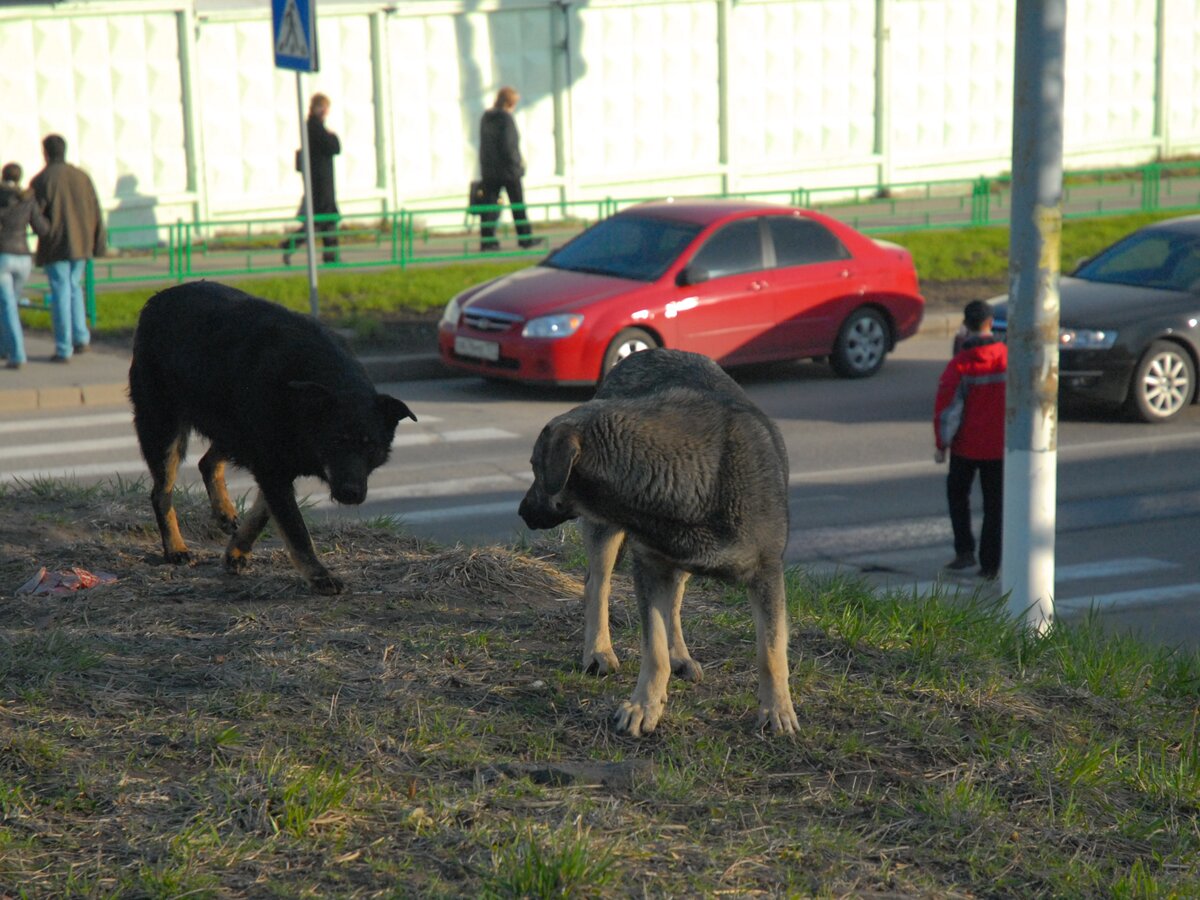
x=327 y=231
x=516 y=201
x=958 y=495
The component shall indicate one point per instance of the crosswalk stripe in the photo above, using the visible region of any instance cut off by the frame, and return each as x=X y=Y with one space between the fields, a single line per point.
x=129 y=442
x=1124 y=599
x=60 y=422
x=96 y=445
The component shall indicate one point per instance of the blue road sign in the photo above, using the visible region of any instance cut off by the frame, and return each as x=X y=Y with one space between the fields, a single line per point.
x=294 y=24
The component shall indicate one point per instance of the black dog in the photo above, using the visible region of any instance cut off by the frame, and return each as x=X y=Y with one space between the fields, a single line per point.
x=274 y=392
x=673 y=456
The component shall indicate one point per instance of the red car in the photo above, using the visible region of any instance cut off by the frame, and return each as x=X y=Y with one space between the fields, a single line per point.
x=737 y=281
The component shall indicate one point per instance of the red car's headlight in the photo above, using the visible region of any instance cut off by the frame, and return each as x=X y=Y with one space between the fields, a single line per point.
x=552 y=326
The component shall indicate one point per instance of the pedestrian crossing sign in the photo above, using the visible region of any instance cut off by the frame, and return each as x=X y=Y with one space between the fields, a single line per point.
x=294 y=25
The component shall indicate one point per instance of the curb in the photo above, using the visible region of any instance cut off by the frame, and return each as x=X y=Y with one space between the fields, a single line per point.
x=381 y=369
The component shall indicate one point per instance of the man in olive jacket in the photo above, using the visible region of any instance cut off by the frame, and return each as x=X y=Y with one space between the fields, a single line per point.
x=68 y=199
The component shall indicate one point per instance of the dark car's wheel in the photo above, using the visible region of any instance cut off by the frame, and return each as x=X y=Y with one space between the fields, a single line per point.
x=1163 y=383
x=627 y=342
x=861 y=345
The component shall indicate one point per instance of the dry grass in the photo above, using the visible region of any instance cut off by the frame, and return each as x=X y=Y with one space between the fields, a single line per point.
x=183 y=732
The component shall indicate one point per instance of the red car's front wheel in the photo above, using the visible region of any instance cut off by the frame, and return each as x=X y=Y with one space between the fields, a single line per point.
x=626 y=343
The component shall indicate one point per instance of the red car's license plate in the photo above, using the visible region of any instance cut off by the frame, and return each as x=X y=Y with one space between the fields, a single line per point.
x=488 y=350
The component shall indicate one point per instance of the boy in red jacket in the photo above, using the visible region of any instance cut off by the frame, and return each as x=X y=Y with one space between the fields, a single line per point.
x=968 y=419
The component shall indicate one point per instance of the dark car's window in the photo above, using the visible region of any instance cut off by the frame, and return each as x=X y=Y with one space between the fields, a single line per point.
x=636 y=247
x=799 y=242
x=735 y=248
x=1157 y=258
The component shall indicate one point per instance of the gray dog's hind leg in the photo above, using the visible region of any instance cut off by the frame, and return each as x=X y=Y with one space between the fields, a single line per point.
x=212 y=470
x=682 y=663
x=769 y=603
x=657 y=584
x=602 y=543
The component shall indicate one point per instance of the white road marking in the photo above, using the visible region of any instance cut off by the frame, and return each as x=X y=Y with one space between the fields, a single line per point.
x=1125 y=599
x=96 y=445
x=76 y=422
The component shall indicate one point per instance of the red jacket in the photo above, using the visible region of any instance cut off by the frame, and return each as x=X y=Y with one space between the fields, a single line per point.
x=968 y=415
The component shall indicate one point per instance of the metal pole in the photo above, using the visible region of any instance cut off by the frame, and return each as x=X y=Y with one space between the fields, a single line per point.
x=1031 y=413
x=309 y=231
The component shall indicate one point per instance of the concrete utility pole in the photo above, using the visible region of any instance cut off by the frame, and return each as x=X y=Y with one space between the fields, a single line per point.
x=1031 y=413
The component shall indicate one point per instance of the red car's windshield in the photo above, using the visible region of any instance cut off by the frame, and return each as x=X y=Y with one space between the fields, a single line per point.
x=639 y=248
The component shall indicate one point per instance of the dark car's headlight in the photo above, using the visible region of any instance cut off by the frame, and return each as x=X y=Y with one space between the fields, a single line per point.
x=451 y=312
x=1086 y=339
x=552 y=326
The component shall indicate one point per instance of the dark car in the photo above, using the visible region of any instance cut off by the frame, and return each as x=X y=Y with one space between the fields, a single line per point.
x=740 y=282
x=1128 y=326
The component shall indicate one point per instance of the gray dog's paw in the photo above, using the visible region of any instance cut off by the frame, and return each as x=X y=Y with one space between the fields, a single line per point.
x=687 y=669
x=781 y=720
x=600 y=662
x=637 y=719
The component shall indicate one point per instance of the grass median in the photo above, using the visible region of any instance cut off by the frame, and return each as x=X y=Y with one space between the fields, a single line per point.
x=181 y=732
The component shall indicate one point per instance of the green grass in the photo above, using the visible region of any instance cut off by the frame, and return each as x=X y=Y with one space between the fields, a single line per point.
x=364 y=301
x=181 y=732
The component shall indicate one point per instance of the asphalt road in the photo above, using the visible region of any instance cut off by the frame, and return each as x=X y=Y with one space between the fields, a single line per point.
x=866 y=496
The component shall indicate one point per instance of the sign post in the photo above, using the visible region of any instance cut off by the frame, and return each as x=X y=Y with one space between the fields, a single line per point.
x=294 y=26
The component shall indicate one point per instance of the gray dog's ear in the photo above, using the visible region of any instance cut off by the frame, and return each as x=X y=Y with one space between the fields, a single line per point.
x=562 y=453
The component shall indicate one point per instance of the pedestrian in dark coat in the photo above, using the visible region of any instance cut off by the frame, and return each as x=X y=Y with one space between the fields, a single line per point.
x=18 y=212
x=323 y=146
x=968 y=419
x=76 y=234
x=501 y=168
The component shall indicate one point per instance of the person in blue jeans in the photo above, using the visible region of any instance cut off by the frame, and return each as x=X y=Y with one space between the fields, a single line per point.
x=76 y=234
x=18 y=212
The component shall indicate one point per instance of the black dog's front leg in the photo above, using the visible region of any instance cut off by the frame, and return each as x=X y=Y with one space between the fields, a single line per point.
x=281 y=500
x=237 y=554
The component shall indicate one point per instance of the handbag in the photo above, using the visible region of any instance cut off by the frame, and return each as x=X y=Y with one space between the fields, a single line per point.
x=475 y=198
x=300 y=160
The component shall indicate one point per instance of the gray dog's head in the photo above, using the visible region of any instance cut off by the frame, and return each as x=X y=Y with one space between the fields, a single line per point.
x=548 y=502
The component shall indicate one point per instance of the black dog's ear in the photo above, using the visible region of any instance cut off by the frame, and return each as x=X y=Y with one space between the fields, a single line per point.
x=312 y=395
x=561 y=454
x=393 y=410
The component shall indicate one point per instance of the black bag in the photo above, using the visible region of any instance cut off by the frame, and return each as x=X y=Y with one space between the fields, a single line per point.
x=475 y=198
x=300 y=160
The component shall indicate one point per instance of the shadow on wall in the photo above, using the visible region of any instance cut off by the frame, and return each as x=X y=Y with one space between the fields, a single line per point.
x=478 y=91
x=133 y=224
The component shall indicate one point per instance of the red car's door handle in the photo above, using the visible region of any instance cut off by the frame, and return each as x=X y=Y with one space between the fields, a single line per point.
x=758 y=285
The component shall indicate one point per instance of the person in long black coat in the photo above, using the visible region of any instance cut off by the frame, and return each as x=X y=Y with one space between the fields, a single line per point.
x=323 y=146
x=501 y=167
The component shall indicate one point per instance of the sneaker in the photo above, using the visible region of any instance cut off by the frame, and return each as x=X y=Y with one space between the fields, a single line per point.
x=12 y=364
x=287 y=259
x=60 y=359
x=82 y=348
x=530 y=243
x=962 y=561
x=989 y=574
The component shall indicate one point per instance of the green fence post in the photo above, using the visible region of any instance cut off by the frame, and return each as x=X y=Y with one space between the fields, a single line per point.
x=89 y=282
x=1151 y=180
x=981 y=194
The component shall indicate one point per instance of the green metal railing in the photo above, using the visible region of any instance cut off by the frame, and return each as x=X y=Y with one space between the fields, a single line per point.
x=184 y=250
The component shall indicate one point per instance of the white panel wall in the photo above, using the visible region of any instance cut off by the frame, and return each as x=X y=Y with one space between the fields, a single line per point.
x=645 y=110
x=801 y=82
x=1182 y=73
x=951 y=82
x=646 y=103
x=1110 y=73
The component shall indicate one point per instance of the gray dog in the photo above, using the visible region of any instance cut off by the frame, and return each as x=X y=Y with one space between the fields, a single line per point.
x=674 y=457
